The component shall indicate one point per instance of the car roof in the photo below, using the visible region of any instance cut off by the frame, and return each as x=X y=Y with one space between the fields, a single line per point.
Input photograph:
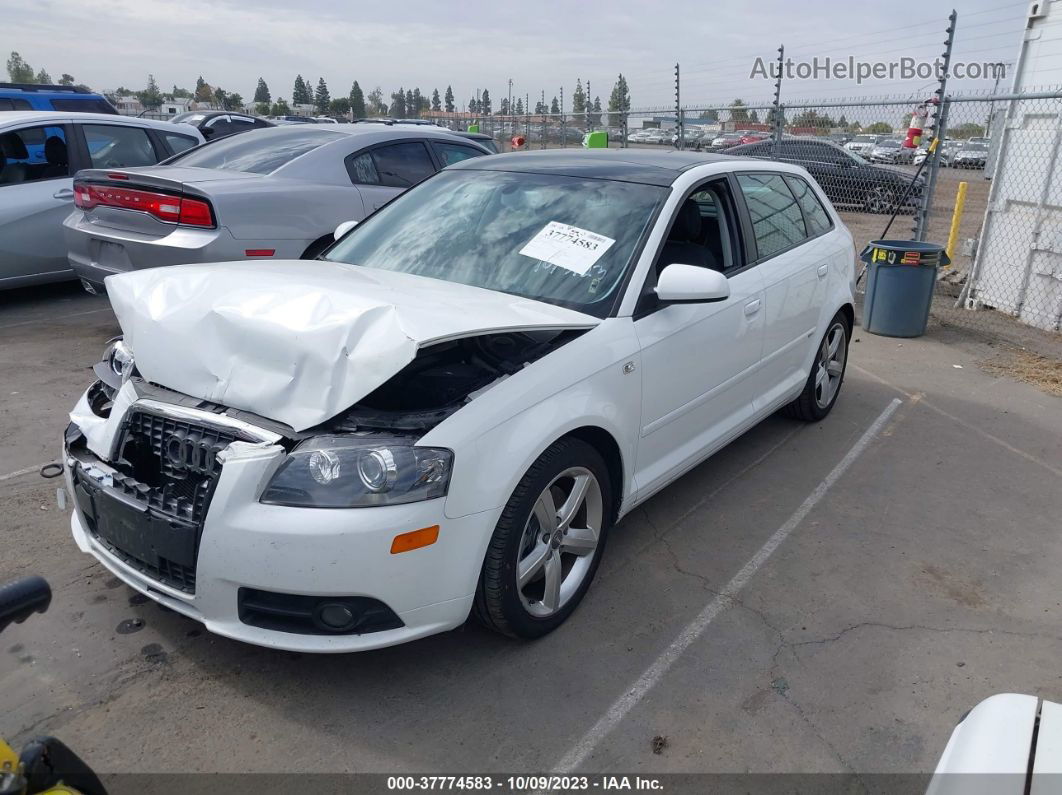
x=646 y=166
x=58 y=116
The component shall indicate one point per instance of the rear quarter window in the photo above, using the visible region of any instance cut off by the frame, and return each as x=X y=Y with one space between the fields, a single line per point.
x=13 y=103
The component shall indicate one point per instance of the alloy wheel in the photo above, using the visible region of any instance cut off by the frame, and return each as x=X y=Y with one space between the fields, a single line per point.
x=830 y=365
x=559 y=540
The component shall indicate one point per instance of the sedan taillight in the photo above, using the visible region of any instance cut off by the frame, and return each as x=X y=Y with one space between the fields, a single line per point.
x=163 y=206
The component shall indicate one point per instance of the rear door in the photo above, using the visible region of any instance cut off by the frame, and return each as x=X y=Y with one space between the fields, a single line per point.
x=383 y=171
x=794 y=266
x=36 y=194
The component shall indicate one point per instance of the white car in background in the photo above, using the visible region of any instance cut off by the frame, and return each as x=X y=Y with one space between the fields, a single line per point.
x=447 y=412
x=40 y=151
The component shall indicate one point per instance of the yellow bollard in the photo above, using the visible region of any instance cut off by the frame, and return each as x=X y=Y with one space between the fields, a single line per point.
x=956 y=217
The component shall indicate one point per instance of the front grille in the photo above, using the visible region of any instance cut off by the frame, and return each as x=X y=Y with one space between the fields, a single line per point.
x=170 y=465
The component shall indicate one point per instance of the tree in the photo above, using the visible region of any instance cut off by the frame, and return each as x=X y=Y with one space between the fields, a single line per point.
x=376 y=105
x=321 y=99
x=710 y=115
x=595 y=112
x=473 y=106
x=340 y=106
x=519 y=109
x=879 y=128
x=398 y=104
x=436 y=102
x=300 y=92
x=221 y=98
x=411 y=104
x=262 y=108
x=619 y=101
x=754 y=117
x=420 y=102
x=261 y=92
x=180 y=93
x=449 y=99
x=236 y=101
x=357 y=101
x=738 y=111
x=66 y=80
x=503 y=106
x=842 y=121
x=554 y=107
x=43 y=77
x=484 y=103
x=18 y=70
x=280 y=108
x=967 y=130
x=578 y=99
x=150 y=97
x=203 y=91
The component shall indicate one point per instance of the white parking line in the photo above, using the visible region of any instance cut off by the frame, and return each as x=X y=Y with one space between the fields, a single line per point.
x=61 y=317
x=20 y=472
x=625 y=703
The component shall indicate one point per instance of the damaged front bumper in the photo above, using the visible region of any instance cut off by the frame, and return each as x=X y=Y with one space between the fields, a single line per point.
x=204 y=546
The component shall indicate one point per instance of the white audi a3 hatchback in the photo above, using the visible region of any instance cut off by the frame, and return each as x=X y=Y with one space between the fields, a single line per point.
x=449 y=411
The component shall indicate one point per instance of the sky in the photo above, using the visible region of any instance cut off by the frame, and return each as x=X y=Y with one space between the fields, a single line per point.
x=540 y=44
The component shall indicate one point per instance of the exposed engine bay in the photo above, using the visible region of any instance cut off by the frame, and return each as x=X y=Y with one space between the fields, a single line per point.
x=444 y=377
x=440 y=380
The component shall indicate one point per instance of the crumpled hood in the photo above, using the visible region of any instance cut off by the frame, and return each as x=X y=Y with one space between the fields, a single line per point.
x=300 y=341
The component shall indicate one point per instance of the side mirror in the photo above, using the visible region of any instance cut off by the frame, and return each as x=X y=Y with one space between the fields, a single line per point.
x=691 y=284
x=343 y=228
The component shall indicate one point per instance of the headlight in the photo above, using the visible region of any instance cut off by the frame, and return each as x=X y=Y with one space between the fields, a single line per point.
x=352 y=472
x=116 y=365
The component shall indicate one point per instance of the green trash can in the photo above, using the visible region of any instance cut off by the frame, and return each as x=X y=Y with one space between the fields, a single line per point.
x=900 y=279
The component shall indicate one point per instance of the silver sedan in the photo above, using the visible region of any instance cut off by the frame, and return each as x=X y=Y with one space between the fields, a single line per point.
x=267 y=194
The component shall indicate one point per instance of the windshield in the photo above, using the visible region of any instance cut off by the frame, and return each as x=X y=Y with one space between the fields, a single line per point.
x=563 y=240
x=258 y=152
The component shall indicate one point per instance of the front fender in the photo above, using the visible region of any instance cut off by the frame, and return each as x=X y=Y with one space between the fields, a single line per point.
x=498 y=436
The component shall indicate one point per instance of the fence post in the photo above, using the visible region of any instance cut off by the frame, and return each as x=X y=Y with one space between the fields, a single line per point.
x=779 y=112
x=623 y=129
x=938 y=126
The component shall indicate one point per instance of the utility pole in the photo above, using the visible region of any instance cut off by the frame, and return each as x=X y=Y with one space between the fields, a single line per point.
x=938 y=123
x=678 y=110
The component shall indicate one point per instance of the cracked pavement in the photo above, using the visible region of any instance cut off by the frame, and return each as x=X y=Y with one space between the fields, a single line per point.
x=924 y=581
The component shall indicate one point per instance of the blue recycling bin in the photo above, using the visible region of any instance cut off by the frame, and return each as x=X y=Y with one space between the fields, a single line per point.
x=901 y=275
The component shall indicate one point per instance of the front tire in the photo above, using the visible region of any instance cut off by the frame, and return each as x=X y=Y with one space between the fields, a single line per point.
x=827 y=374
x=547 y=544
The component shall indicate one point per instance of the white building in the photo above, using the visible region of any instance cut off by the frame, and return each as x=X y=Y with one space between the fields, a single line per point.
x=1018 y=265
x=173 y=107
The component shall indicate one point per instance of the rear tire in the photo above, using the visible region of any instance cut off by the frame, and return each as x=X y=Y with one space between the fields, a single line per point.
x=827 y=374
x=547 y=544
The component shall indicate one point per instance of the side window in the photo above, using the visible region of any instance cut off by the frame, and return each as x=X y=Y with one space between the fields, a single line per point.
x=33 y=153
x=700 y=232
x=362 y=170
x=14 y=104
x=217 y=128
x=240 y=124
x=454 y=153
x=179 y=143
x=402 y=165
x=261 y=123
x=815 y=216
x=114 y=146
x=87 y=105
x=777 y=221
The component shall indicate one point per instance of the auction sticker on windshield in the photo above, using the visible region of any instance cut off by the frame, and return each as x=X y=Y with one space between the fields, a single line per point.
x=568 y=246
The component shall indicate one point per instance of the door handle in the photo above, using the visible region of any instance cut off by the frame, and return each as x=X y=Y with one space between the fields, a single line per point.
x=823 y=269
x=63 y=193
x=752 y=307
